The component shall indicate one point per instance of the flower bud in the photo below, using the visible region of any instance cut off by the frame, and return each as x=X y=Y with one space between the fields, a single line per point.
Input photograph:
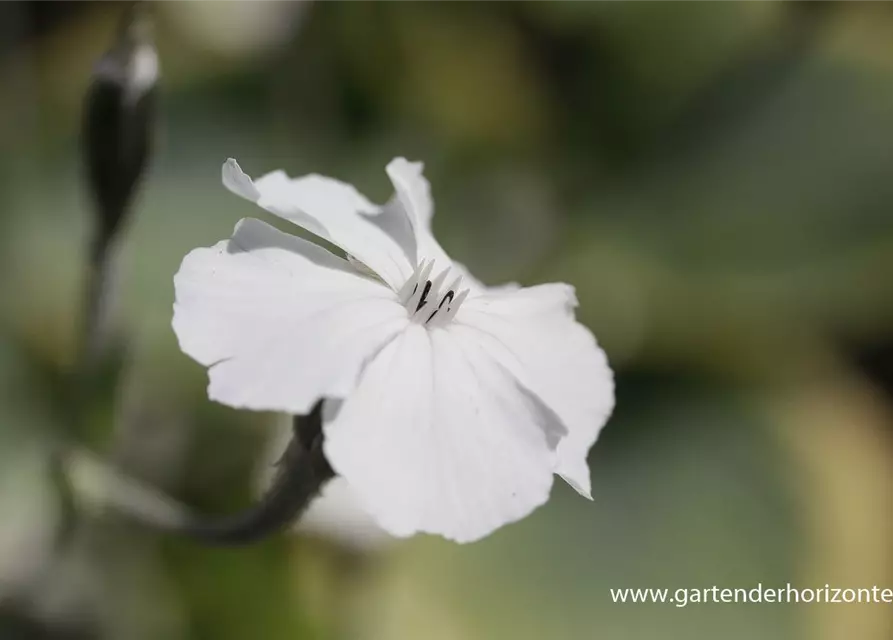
x=118 y=117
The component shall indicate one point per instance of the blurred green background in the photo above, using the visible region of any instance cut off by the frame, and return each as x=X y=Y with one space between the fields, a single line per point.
x=715 y=179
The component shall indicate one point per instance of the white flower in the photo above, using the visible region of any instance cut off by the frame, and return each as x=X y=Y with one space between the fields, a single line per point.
x=449 y=406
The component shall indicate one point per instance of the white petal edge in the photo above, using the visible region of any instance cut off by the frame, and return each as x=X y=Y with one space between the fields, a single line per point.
x=532 y=333
x=411 y=210
x=412 y=202
x=280 y=321
x=437 y=438
x=407 y=215
x=330 y=209
x=412 y=190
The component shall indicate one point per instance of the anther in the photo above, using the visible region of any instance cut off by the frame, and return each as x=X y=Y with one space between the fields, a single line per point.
x=424 y=297
x=413 y=299
x=427 y=304
x=447 y=298
x=454 y=306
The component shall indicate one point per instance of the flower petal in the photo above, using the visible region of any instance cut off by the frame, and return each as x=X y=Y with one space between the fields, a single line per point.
x=438 y=438
x=412 y=190
x=408 y=210
x=332 y=210
x=280 y=321
x=412 y=202
x=407 y=216
x=533 y=334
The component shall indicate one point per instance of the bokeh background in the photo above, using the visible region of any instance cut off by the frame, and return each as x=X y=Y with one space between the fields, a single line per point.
x=715 y=178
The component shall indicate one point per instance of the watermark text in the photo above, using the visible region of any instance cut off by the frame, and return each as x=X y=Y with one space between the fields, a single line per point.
x=788 y=594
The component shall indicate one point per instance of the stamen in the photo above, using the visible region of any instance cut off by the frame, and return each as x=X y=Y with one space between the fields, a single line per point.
x=454 y=285
x=438 y=281
x=425 y=309
x=413 y=301
x=454 y=307
x=446 y=298
x=427 y=303
x=424 y=299
x=410 y=285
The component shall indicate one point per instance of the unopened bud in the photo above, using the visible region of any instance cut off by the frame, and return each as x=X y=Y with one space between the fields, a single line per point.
x=118 y=118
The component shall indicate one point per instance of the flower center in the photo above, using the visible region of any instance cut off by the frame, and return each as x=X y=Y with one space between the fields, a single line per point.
x=429 y=302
